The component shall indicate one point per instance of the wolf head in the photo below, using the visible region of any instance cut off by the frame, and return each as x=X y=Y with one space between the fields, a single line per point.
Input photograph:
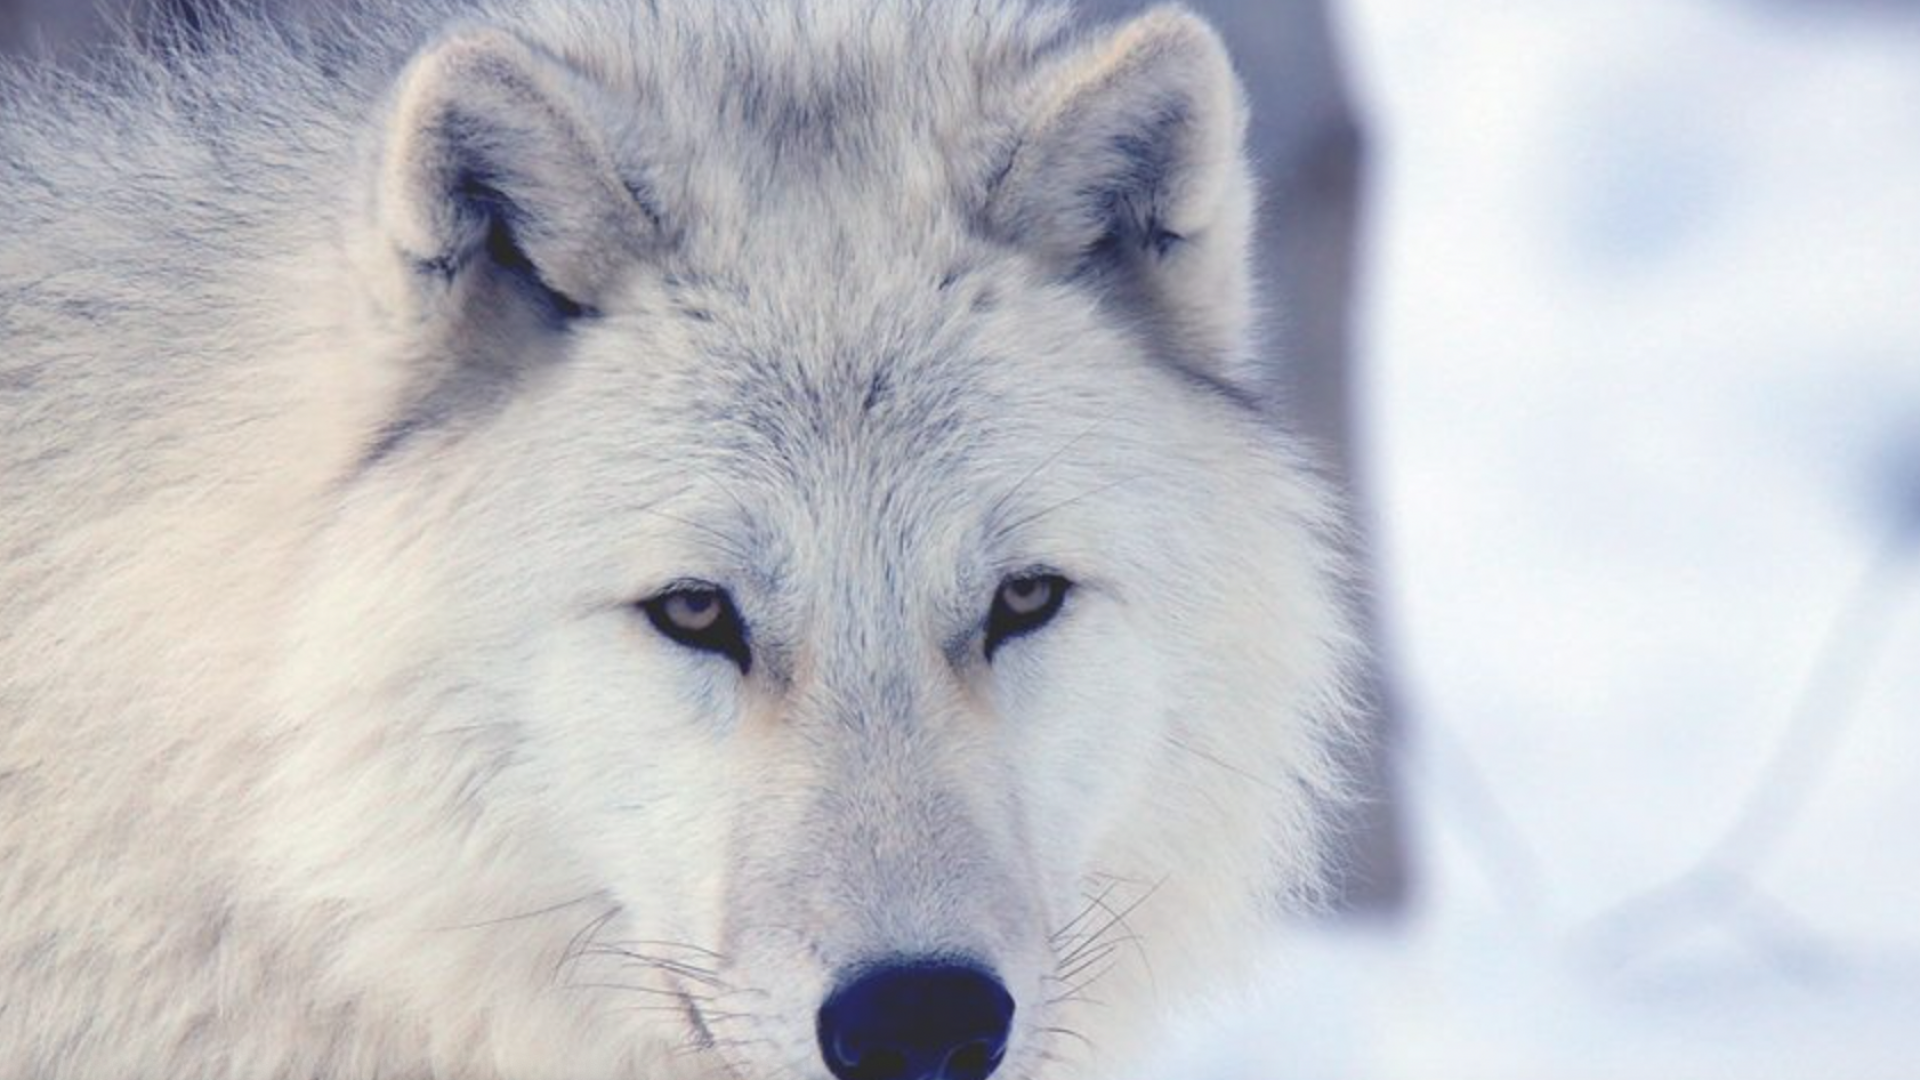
x=822 y=597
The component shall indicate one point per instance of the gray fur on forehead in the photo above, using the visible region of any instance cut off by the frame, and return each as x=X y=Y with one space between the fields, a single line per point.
x=884 y=379
x=783 y=69
x=754 y=101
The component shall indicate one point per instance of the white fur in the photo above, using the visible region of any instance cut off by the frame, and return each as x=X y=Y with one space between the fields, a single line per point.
x=355 y=384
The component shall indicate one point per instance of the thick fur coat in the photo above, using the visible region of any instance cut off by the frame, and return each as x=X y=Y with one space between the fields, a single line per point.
x=360 y=384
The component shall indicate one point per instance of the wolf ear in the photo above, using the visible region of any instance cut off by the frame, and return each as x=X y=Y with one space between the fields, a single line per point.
x=489 y=156
x=1130 y=169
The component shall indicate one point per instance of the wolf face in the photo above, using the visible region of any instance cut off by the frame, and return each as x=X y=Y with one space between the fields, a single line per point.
x=818 y=596
x=851 y=544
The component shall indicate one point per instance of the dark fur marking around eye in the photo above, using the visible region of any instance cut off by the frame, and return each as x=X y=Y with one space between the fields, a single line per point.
x=725 y=636
x=1007 y=621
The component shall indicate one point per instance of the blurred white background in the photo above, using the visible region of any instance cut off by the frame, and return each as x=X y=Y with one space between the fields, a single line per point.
x=1638 y=350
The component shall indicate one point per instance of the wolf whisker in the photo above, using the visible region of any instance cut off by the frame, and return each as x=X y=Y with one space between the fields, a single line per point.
x=1229 y=766
x=1069 y=1033
x=1064 y=503
x=677 y=995
x=534 y=914
x=685 y=971
x=1092 y=905
x=1000 y=504
x=638 y=942
x=581 y=939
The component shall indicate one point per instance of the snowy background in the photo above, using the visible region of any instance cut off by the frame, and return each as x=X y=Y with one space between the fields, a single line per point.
x=1640 y=363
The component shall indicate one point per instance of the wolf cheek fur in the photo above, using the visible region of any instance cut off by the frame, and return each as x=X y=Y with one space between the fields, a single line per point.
x=386 y=422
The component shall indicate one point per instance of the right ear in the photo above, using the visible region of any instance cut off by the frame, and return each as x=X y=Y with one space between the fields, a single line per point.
x=490 y=161
x=1131 y=171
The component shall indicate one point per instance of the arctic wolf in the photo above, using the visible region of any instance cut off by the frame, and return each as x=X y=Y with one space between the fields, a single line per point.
x=593 y=538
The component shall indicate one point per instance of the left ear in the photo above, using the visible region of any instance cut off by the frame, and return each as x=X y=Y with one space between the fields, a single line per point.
x=491 y=154
x=1131 y=168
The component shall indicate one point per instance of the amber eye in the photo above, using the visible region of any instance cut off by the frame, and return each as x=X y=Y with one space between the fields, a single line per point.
x=693 y=612
x=1024 y=603
x=701 y=617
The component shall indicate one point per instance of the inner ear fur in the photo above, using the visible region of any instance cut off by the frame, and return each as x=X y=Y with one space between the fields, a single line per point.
x=1130 y=170
x=490 y=154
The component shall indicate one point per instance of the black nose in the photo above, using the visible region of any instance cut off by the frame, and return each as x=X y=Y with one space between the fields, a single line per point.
x=918 y=1020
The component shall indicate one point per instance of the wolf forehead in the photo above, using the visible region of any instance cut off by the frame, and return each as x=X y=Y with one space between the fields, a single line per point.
x=904 y=405
x=762 y=107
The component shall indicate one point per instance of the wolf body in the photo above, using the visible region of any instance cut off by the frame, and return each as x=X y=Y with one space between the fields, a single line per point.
x=360 y=385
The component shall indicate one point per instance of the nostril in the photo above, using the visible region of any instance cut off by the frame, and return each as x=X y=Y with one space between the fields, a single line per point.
x=916 y=1020
x=881 y=1064
x=974 y=1061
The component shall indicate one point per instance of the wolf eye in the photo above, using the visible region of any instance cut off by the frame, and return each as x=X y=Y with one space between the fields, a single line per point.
x=1024 y=604
x=701 y=617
